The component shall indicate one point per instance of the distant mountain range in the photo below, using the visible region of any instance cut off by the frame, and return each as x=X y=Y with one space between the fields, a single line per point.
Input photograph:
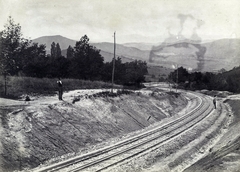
x=209 y=56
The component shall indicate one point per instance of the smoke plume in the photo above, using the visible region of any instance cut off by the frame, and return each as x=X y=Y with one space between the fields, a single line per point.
x=180 y=41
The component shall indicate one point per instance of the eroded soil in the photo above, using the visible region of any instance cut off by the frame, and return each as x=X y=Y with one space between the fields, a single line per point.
x=45 y=128
x=225 y=155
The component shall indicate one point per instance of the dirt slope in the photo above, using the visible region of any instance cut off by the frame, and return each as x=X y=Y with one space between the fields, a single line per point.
x=225 y=155
x=45 y=128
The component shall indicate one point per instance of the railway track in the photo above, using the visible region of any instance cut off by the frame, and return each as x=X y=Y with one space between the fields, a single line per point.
x=125 y=150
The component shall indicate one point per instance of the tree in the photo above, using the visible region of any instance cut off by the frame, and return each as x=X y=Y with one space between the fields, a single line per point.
x=87 y=62
x=12 y=44
x=78 y=67
x=120 y=71
x=135 y=72
x=82 y=46
x=53 y=50
x=70 y=52
x=179 y=75
x=58 y=50
x=119 y=74
x=2 y=65
x=35 y=61
x=19 y=55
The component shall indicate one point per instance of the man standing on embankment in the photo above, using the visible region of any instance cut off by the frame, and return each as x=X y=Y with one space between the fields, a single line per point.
x=60 y=89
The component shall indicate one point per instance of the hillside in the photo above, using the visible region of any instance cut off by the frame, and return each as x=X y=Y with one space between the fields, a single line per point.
x=209 y=56
x=223 y=53
x=140 y=46
x=121 y=50
x=47 y=40
x=109 y=56
x=127 y=54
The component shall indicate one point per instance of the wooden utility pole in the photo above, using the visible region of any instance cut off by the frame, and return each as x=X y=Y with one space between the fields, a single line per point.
x=114 y=52
x=5 y=78
x=177 y=79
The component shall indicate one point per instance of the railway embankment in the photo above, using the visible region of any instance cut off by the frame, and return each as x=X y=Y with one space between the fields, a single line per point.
x=46 y=130
x=189 y=142
x=177 y=143
x=225 y=154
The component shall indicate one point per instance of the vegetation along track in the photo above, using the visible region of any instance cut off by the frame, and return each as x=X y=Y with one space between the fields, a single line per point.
x=132 y=147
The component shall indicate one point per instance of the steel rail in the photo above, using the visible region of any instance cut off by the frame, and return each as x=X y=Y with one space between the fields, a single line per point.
x=61 y=165
x=192 y=123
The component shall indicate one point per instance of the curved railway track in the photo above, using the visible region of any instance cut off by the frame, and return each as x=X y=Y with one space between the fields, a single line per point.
x=125 y=150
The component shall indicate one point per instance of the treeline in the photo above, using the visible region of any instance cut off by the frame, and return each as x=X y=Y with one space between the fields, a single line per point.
x=224 y=81
x=19 y=56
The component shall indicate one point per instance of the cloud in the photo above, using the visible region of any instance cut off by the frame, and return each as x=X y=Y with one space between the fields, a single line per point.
x=150 y=18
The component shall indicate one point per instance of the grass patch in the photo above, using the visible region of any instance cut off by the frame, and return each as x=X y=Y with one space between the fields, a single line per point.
x=18 y=86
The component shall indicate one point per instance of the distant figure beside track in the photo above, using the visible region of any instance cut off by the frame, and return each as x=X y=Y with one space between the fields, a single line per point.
x=60 y=89
x=215 y=101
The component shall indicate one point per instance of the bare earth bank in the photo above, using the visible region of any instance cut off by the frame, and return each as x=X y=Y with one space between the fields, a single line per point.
x=46 y=130
x=225 y=155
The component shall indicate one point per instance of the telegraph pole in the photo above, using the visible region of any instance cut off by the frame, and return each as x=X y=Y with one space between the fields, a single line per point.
x=5 y=78
x=177 y=79
x=114 y=52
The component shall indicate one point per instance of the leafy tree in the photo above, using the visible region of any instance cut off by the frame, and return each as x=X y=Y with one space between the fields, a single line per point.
x=222 y=70
x=224 y=81
x=12 y=44
x=70 y=52
x=94 y=64
x=57 y=67
x=135 y=72
x=82 y=47
x=179 y=75
x=35 y=61
x=196 y=76
x=17 y=53
x=233 y=79
x=120 y=71
x=106 y=71
x=119 y=74
x=2 y=64
x=87 y=62
x=58 y=50
x=78 y=65
x=53 y=50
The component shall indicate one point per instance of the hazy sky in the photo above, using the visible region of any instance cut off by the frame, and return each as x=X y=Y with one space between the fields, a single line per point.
x=133 y=20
